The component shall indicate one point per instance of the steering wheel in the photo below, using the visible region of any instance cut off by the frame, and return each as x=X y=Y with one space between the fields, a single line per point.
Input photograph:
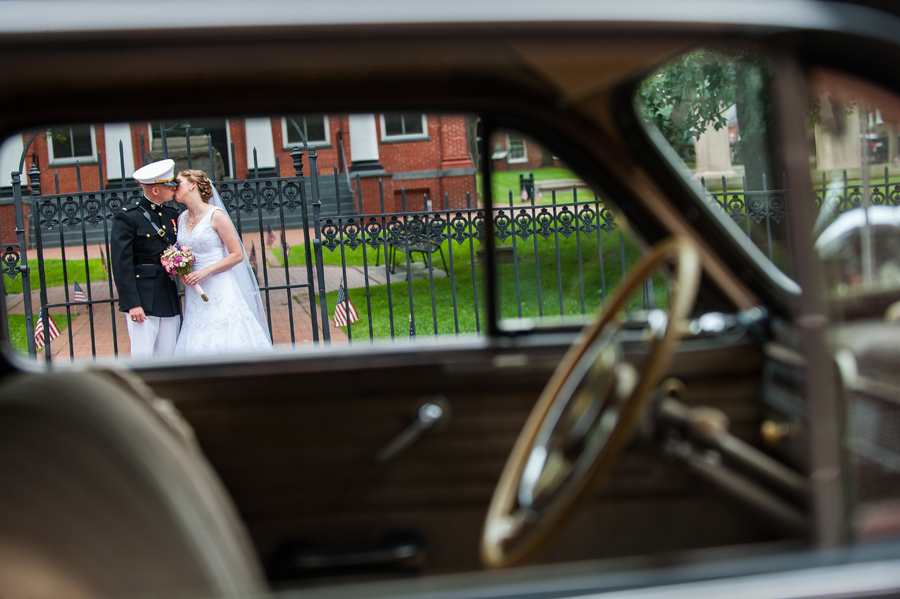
x=586 y=415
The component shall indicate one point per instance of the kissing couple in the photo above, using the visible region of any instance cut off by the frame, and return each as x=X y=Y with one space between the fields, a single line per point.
x=233 y=320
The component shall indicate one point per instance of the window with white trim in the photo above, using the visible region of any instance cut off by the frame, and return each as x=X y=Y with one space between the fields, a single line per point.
x=403 y=125
x=315 y=128
x=517 y=150
x=68 y=143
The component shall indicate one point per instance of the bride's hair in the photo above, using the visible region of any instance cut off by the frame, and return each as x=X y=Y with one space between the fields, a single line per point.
x=202 y=181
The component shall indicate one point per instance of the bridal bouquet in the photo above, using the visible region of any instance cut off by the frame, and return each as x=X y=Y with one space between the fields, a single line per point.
x=178 y=260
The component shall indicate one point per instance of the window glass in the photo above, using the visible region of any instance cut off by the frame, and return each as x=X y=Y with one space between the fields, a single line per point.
x=71 y=142
x=314 y=126
x=517 y=149
x=400 y=124
x=710 y=112
x=855 y=151
x=855 y=168
x=560 y=248
x=399 y=253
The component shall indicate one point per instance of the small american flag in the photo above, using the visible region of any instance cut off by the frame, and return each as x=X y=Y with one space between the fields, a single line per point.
x=39 y=329
x=252 y=259
x=285 y=248
x=103 y=261
x=344 y=310
x=79 y=295
x=270 y=237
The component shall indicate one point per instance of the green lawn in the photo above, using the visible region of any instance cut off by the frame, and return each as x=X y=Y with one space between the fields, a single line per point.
x=528 y=289
x=53 y=274
x=17 y=336
x=505 y=184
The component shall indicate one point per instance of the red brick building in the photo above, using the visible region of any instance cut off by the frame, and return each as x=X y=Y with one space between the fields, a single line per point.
x=416 y=152
x=516 y=152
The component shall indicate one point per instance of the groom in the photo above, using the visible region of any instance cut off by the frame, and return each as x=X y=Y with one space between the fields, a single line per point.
x=141 y=232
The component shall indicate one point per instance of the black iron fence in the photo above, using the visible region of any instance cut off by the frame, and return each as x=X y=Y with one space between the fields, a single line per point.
x=385 y=261
x=410 y=272
x=449 y=242
x=763 y=215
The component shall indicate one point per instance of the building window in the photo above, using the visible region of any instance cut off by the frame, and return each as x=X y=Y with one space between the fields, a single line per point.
x=403 y=125
x=314 y=126
x=517 y=151
x=68 y=143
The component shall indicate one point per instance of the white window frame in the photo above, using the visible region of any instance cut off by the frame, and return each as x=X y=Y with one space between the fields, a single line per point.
x=319 y=142
x=404 y=137
x=72 y=159
x=509 y=146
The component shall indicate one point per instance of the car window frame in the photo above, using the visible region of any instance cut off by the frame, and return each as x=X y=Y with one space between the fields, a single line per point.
x=775 y=287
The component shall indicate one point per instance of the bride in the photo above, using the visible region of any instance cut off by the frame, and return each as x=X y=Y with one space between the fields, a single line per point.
x=233 y=319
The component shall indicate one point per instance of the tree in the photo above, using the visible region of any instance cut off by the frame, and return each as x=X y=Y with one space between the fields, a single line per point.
x=691 y=94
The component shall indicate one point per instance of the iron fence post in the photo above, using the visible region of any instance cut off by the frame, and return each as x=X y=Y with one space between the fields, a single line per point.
x=18 y=208
x=297 y=156
x=34 y=181
x=317 y=241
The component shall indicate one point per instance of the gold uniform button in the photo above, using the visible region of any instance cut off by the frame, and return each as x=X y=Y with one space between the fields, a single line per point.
x=148 y=234
x=137 y=276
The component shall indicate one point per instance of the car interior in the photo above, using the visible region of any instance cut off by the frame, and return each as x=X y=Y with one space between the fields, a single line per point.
x=743 y=424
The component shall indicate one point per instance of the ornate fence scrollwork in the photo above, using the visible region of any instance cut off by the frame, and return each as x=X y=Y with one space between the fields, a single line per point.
x=10 y=259
x=460 y=225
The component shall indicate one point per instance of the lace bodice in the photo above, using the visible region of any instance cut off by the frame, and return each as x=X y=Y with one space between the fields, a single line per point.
x=203 y=240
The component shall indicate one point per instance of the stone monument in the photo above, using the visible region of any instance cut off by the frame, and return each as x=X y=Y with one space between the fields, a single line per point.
x=176 y=145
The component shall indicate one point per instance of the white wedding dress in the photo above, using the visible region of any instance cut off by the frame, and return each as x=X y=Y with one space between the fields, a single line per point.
x=226 y=323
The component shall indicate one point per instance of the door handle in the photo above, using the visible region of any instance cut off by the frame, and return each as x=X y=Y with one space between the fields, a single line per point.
x=430 y=414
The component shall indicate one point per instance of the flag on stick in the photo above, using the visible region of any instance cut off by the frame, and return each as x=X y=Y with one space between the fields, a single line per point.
x=252 y=259
x=344 y=311
x=103 y=261
x=270 y=237
x=285 y=248
x=79 y=295
x=39 y=329
x=412 y=330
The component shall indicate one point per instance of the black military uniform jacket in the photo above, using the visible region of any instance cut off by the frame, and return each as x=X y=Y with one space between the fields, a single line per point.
x=135 y=249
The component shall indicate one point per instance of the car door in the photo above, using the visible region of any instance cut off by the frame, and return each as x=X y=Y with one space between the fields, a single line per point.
x=382 y=457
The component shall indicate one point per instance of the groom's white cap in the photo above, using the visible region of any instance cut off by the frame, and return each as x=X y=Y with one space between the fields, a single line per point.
x=161 y=172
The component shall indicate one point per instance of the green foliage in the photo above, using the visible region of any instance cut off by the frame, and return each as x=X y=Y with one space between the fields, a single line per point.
x=53 y=274
x=691 y=93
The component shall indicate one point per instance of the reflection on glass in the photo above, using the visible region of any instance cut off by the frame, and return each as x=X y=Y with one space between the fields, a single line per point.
x=854 y=148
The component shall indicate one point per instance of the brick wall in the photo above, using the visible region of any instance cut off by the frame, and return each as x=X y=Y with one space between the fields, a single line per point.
x=138 y=152
x=237 y=130
x=533 y=153
x=8 y=223
x=445 y=149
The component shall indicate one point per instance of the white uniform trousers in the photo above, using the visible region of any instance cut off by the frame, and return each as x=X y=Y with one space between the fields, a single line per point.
x=156 y=336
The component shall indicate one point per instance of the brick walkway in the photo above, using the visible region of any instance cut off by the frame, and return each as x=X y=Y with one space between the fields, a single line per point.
x=101 y=311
